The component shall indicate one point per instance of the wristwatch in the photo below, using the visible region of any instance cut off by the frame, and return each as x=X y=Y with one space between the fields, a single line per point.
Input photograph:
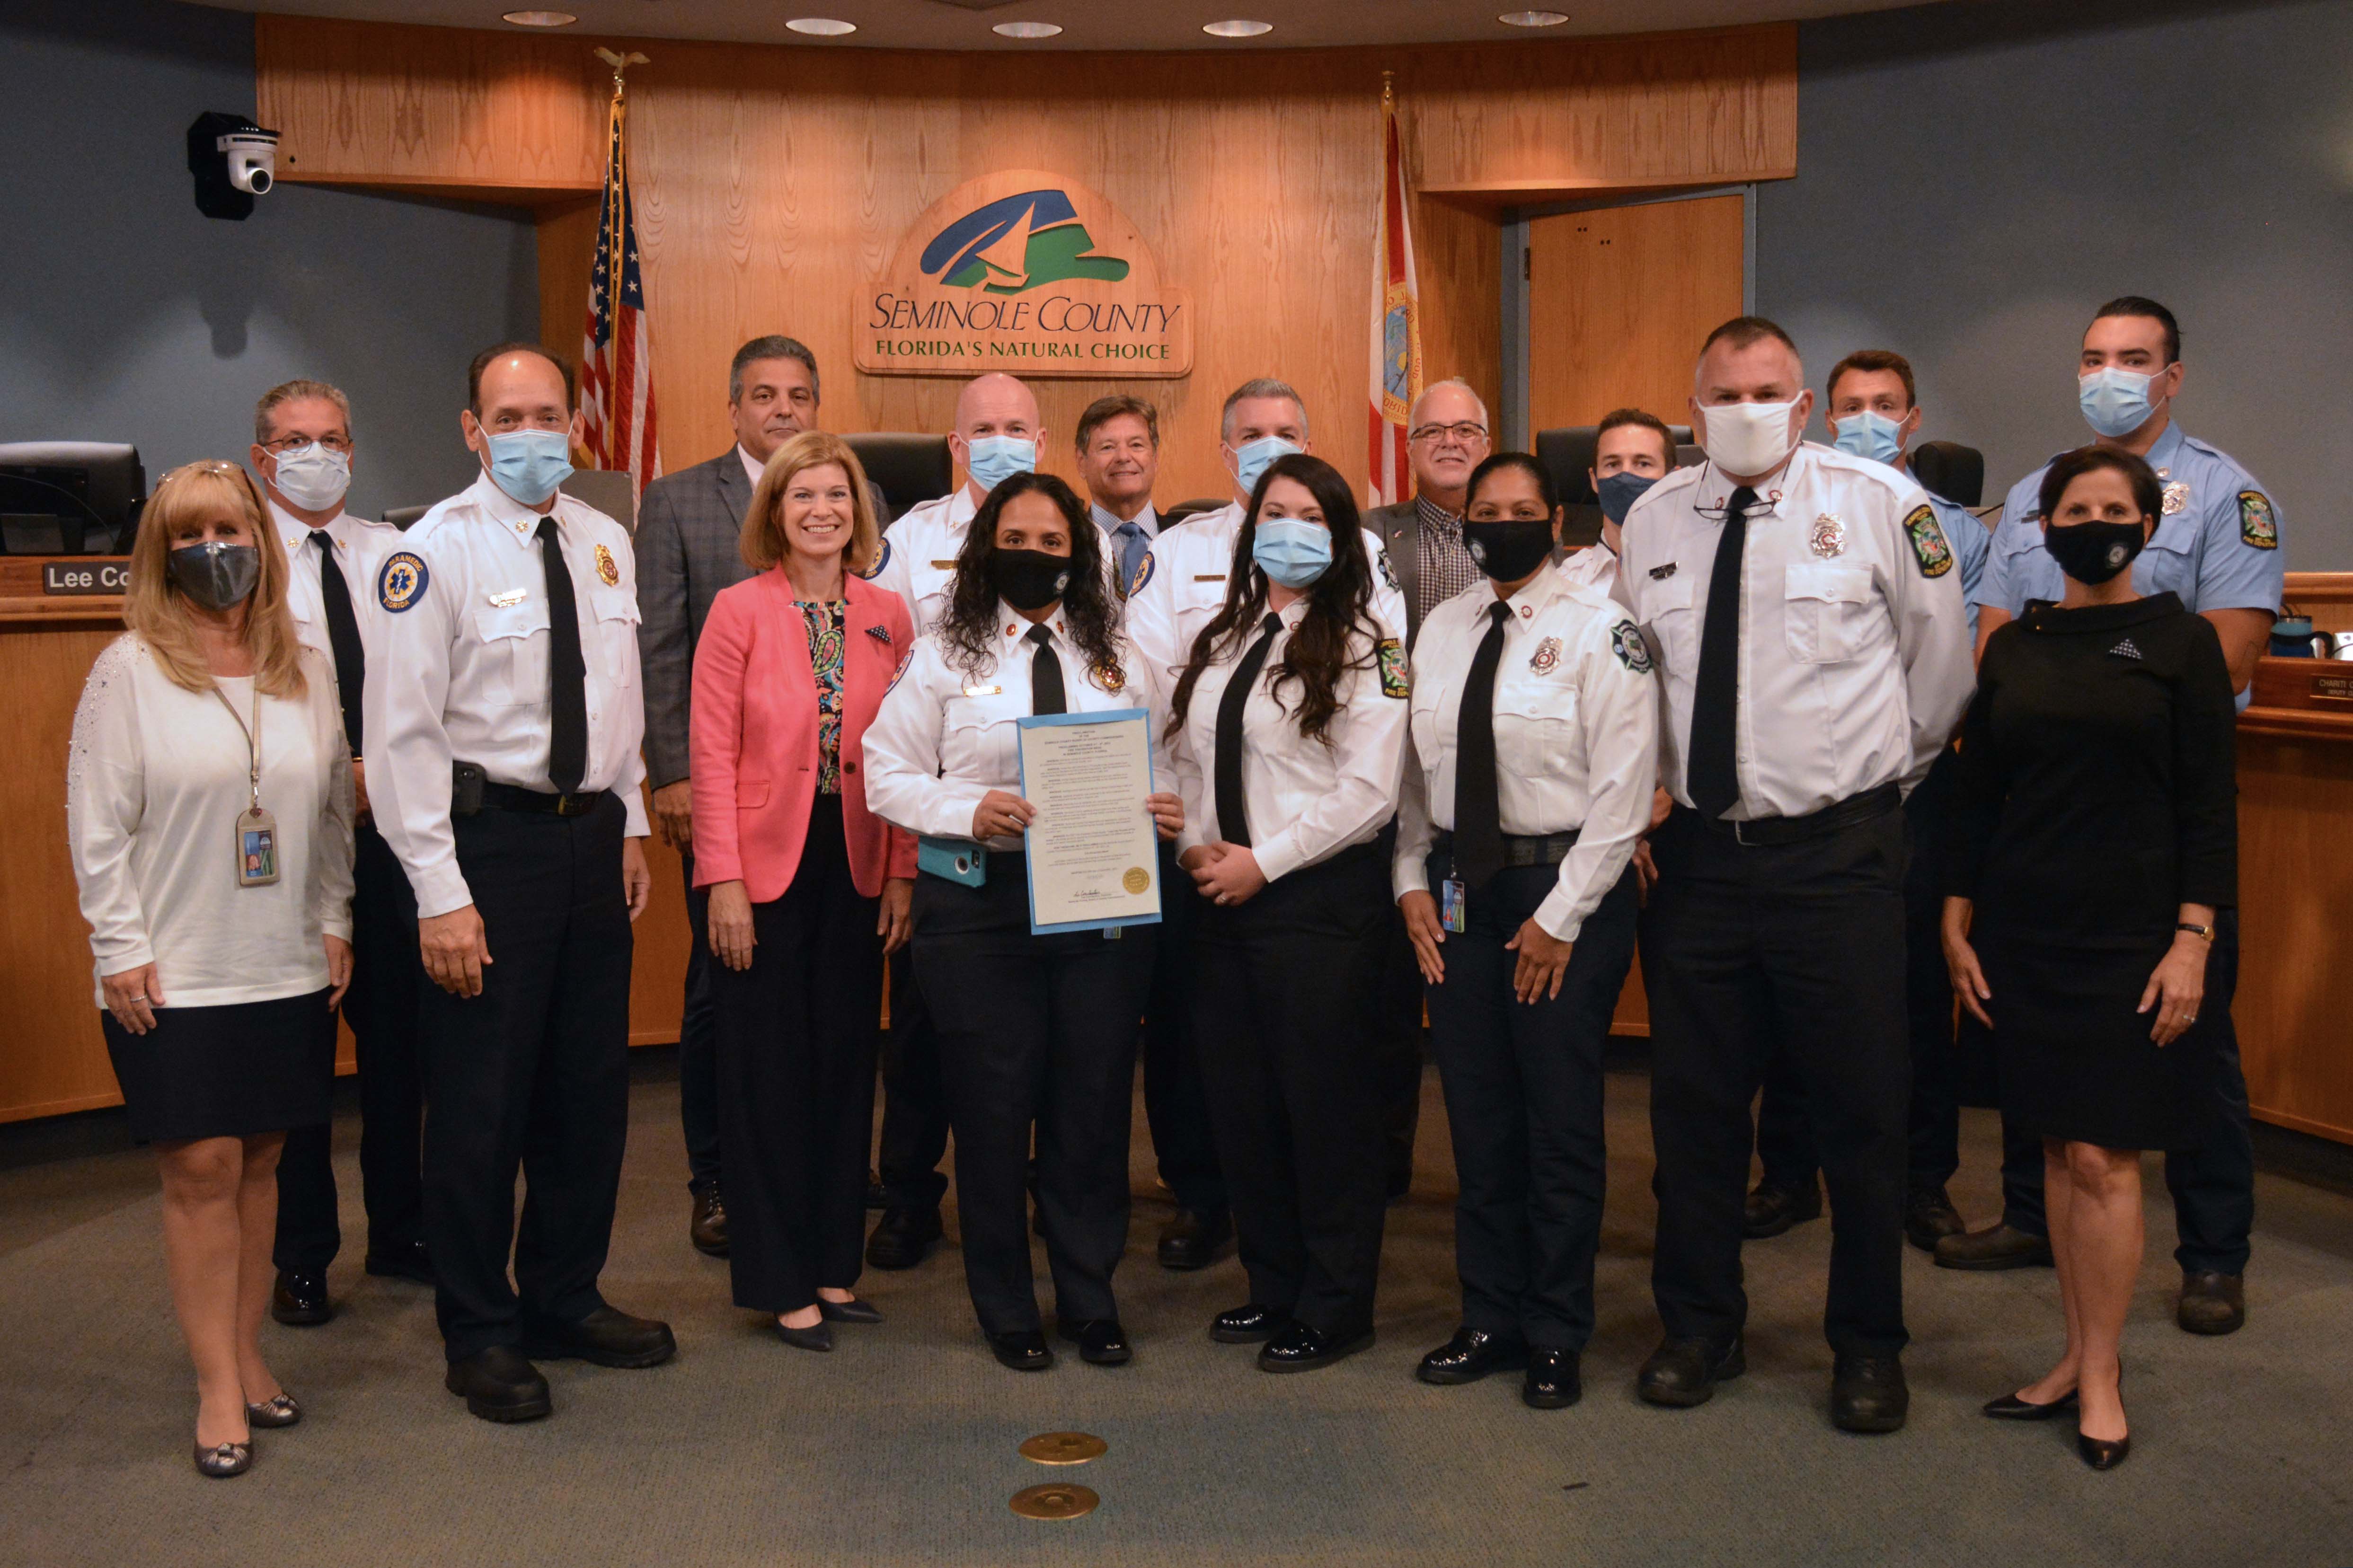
x=2206 y=931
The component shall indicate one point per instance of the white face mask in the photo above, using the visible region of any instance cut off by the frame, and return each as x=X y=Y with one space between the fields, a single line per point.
x=1749 y=438
x=312 y=477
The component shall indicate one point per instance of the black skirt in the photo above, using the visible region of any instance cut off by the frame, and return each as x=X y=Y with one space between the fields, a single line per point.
x=230 y=1072
x=2073 y=1057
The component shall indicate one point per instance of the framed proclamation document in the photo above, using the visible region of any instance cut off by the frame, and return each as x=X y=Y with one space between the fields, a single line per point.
x=1094 y=857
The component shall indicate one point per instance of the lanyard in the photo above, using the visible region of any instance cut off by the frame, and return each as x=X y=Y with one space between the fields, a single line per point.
x=252 y=737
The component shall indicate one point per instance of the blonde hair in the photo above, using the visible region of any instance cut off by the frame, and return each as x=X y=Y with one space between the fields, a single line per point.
x=160 y=615
x=764 y=544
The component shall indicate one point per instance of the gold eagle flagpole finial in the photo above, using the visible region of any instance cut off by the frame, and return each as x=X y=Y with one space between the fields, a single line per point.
x=620 y=64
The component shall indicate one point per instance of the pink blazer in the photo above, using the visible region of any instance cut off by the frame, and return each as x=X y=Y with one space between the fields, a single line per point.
x=752 y=742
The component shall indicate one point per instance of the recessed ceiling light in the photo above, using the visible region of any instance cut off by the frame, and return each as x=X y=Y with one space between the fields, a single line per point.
x=1026 y=29
x=822 y=27
x=1533 y=19
x=540 y=18
x=1237 y=29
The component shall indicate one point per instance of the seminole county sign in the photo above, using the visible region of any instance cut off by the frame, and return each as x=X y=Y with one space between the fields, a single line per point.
x=1028 y=272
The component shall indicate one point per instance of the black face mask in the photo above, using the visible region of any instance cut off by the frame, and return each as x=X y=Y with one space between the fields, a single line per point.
x=1028 y=579
x=216 y=575
x=2092 y=552
x=1509 y=548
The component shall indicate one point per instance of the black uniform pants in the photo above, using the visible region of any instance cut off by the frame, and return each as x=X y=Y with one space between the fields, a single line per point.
x=914 y=1095
x=1035 y=1031
x=1524 y=1102
x=1286 y=1011
x=1784 y=1139
x=534 y=1073
x=1398 y=1035
x=1175 y=1104
x=698 y=1044
x=796 y=1033
x=1745 y=947
x=381 y=1008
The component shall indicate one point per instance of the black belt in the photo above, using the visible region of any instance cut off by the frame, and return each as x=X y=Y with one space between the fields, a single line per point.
x=1522 y=849
x=510 y=798
x=1771 y=830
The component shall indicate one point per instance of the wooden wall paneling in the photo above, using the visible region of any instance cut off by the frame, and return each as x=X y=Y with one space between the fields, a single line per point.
x=663 y=939
x=2296 y=881
x=567 y=236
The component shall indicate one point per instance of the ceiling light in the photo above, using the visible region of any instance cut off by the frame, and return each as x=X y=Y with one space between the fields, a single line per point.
x=822 y=27
x=540 y=18
x=1533 y=19
x=1237 y=29
x=1026 y=29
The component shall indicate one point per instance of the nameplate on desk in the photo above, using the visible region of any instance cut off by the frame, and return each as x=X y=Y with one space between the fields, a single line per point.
x=2332 y=688
x=98 y=577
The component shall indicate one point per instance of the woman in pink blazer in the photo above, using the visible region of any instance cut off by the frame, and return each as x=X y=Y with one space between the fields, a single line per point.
x=808 y=888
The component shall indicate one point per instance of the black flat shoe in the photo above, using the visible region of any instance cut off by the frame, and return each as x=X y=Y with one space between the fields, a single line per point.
x=1247 y=1324
x=1553 y=1382
x=277 y=1411
x=500 y=1384
x=1682 y=1374
x=817 y=1336
x=2010 y=1407
x=223 y=1460
x=1771 y=1210
x=299 y=1300
x=2102 y=1455
x=1299 y=1348
x=1470 y=1356
x=904 y=1237
x=1868 y=1394
x=1101 y=1341
x=406 y=1260
x=850 y=1311
x=1193 y=1241
x=1022 y=1350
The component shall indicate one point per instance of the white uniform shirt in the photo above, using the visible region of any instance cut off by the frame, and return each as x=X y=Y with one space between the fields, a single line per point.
x=919 y=556
x=464 y=608
x=1595 y=566
x=360 y=547
x=1182 y=585
x=945 y=737
x=1854 y=651
x=1307 y=800
x=155 y=779
x=1577 y=734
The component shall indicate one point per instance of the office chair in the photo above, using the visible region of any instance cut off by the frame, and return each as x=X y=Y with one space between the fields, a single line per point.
x=1184 y=509
x=1567 y=455
x=1952 y=470
x=910 y=469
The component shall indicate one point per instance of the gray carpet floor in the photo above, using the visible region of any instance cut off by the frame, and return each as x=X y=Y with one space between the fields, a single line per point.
x=899 y=1448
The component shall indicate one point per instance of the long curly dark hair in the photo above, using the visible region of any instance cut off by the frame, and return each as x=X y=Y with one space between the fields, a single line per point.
x=969 y=629
x=1339 y=605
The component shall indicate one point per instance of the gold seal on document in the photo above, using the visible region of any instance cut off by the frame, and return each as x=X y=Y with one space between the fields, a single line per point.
x=1063 y=1448
x=1054 y=1501
x=1136 y=878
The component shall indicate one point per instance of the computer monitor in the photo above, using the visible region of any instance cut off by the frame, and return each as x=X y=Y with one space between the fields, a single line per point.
x=69 y=498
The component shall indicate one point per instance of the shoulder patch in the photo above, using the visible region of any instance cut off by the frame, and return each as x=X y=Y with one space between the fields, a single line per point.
x=2257 y=526
x=1143 y=574
x=1626 y=642
x=1397 y=679
x=882 y=559
x=1388 y=573
x=1929 y=546
x=401 y=582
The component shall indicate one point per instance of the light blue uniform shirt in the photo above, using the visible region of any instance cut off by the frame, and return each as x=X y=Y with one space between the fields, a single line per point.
x=1972 y=542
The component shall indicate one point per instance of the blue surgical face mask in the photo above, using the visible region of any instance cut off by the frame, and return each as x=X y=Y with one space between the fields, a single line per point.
x=529 y=464
x=2114 y=400
x=1292 y=551
x=993 y=460
x=1865 y=434
x=1251 y=461
x=1619 y=491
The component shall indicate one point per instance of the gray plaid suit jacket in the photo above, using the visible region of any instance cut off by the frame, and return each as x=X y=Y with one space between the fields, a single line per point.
x=689 y=524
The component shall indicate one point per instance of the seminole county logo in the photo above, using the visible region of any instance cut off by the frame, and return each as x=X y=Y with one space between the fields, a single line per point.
x=1024 y=271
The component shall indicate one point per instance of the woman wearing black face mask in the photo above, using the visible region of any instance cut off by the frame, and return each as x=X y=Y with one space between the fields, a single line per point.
x=1035 y=1031
x=1532 y=761
x=209 y=809
x=2095 y=836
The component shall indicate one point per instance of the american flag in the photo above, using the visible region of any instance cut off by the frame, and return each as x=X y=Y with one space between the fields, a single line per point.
x=1397 y=322
x=616 y=391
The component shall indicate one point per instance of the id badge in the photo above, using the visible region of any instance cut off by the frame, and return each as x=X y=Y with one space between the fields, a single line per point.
x=256 y=849
x=1449 y=905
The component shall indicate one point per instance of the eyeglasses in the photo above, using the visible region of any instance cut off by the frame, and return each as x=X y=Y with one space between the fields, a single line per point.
x=1463 y=434
x=338 y=445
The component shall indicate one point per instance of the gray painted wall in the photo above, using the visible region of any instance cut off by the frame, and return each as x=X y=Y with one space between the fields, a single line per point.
x=126 y=315
x=1977 y=178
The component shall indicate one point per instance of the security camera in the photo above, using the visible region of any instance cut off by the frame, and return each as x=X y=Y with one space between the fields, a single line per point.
x=252 y=159
x=233 y=161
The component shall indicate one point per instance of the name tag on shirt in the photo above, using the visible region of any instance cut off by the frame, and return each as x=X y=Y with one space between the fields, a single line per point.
x=983 y=690
x=1208 y=576
x=512 y=596
x=944 y=565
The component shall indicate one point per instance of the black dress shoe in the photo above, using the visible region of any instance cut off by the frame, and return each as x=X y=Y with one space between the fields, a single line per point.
x=1471 y=1355
x=2211 y=1303
x=1995 y=1246
x=223 y=1460
x=2010 y=1407
x=1101 y=1341
x=817 y=1336
x=1552 y=1382
x=1685 y=1372
x=1247 y=1324
x=2101 y=1454
x=850 y=1311
x=1193 y=1241
x=708 y=1228
x=605 y=1337
x=1771 y=1210
x=403 y=1260
x=1868 y=1394
x=1299 y=1348
x=299 y=1300
x=500 y=1384
x=1023 y=1351
x=278 y=1410
x=904 y=1237
x=1929 y=1216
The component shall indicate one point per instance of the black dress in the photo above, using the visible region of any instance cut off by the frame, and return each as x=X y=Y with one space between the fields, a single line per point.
x=2097 y=794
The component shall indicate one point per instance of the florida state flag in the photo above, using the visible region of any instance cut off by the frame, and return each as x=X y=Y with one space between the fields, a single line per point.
x=1396 y=321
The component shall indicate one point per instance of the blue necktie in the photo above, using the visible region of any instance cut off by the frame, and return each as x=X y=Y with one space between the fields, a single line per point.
x=1132 y=542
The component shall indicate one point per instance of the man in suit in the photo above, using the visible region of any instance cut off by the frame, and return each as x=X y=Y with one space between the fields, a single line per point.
x=688 y=525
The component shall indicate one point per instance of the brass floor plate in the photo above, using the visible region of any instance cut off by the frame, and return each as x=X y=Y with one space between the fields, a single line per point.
x=1063 y=1448
x=1057 y=1500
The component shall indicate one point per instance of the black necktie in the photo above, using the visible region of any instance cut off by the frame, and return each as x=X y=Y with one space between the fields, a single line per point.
x=1478 y=813
x=342 y=635
x=1046 y=695
x=1713 y=781
x=567 y=672
x=1234 y=824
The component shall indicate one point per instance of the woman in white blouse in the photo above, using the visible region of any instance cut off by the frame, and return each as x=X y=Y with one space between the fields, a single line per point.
x=208 y=802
